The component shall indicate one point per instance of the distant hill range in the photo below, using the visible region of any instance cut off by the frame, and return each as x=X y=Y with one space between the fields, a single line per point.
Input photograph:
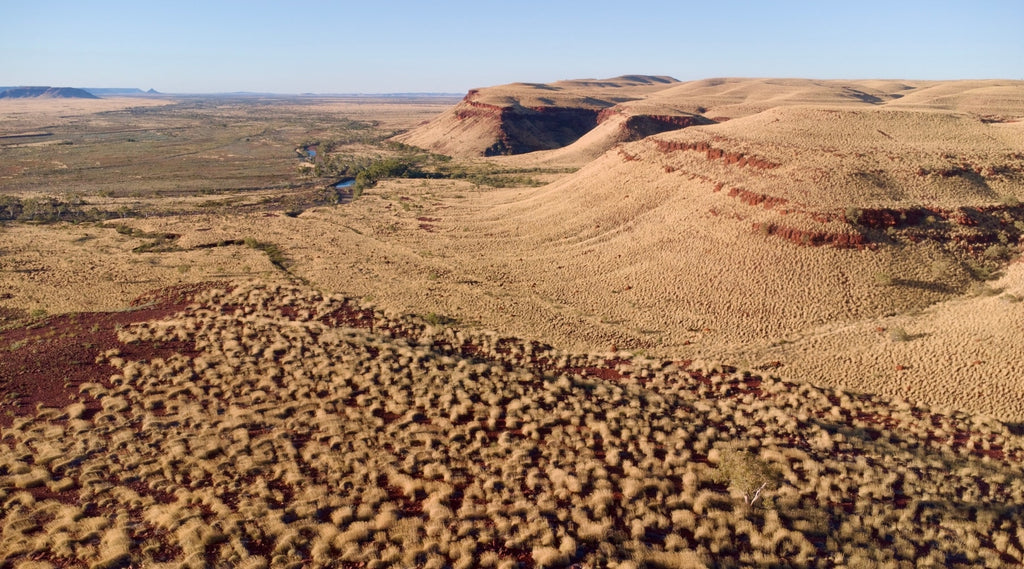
x=70 y=92
x=120 y=91
x=46 y=93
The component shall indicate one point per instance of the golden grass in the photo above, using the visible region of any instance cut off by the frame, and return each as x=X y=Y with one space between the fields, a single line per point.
x=399 y=448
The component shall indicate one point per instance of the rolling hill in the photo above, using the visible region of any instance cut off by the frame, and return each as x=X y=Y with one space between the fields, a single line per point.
x=785 y=215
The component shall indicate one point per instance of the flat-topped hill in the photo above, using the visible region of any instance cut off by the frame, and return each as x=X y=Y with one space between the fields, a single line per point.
x=46 y=93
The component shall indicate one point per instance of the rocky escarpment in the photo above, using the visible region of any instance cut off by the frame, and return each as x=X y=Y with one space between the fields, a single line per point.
x=482 y=128
x=525 y=129
x=527 y=117
x=544 y=128
x=638 y=126
x=978 y=232
x=46 y=93
x=713 y=153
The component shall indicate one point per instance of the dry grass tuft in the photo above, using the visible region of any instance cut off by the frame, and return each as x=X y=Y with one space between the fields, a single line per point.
x=416 y=445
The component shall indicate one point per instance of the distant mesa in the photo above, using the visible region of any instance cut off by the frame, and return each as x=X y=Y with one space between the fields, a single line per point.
x=46 y=93
x=71 y=92
x=114 y=91
x=119 y=91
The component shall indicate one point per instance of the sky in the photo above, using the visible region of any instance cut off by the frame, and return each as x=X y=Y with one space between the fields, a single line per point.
x=396 y=46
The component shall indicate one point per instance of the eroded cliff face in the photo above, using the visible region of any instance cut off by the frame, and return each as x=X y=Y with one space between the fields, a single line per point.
x=526 y=117
x=636 y=126
x=642 y=126
x=524 y=129
x=544 y=128
x=977 y=231
x=518 y=128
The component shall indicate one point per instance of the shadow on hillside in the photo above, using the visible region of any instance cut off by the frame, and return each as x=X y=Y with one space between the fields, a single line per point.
x=925 y=285
x=879 y=440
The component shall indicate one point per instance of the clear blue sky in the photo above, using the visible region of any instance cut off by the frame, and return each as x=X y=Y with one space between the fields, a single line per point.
x=382 y=46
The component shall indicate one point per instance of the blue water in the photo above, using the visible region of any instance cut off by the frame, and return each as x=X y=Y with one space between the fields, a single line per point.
x=312 y=153
x=345 y=184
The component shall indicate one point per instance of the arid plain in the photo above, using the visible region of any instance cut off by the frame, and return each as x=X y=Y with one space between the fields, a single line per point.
x=550 y=324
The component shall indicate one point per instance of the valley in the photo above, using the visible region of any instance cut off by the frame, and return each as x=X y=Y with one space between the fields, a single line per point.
x=578 y=323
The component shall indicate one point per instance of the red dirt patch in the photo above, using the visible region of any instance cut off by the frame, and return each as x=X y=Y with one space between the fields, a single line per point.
x=813 y=238
x=45 y=362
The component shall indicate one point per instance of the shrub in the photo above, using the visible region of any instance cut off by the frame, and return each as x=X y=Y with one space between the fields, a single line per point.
x=435 y=319
x=981 y=271
x=274 y=254
x=940 y=269
x=746 y=473
x=46 y=210
x=997 y=252
x=388 y=168
x=982 y=289
x=595 y=531
x=669 y=560
x=898 y=334
x=546 y=556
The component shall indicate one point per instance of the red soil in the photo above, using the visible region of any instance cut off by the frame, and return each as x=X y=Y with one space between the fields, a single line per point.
x=627 y=156
x=45 y=362
x=753 y=199
x=813 y=238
